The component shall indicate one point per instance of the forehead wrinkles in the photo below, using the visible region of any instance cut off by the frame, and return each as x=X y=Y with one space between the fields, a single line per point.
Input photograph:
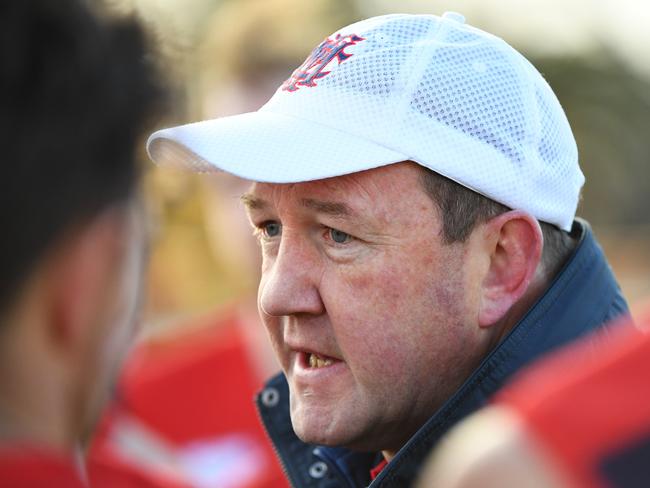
x=358 y=195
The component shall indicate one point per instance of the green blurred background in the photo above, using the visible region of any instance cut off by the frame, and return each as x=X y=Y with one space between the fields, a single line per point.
x=228 y=56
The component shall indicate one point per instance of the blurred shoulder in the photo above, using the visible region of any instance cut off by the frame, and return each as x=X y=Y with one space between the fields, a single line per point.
x=491 y=449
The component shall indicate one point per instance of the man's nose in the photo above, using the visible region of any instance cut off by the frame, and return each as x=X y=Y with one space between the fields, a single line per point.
x=290 y=282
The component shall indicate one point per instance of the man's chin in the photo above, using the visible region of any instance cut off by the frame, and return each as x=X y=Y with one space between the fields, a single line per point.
x=335 y=420
x=324 y=429
x=314 y=428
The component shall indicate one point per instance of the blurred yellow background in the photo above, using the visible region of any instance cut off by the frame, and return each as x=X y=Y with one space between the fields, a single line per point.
x=228 y=56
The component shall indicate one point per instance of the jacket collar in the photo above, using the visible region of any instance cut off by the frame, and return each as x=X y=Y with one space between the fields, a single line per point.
x=583 y=296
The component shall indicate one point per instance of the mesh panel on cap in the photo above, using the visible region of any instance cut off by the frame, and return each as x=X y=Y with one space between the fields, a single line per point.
x=456 y=96
x=457 y=100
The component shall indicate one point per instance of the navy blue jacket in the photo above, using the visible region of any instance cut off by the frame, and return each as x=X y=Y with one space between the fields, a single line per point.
x=582 y=298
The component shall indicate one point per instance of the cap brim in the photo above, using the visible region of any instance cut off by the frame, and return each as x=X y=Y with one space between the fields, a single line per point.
x=267 y=147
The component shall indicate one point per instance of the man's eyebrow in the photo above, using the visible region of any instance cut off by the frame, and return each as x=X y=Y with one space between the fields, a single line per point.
x=252 y=202
x=335 y=209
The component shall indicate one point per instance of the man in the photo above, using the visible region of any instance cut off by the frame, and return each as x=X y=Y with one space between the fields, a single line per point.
x=415 y=186
x=578 y=418
x=74 y=97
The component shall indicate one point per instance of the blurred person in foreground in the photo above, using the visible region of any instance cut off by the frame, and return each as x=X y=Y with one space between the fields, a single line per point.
x=580 y=418
x=75 y=95
x=415 y=188
x=185 y=407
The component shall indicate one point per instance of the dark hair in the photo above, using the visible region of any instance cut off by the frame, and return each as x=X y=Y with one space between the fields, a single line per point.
x=75 y=93
x=463 y=209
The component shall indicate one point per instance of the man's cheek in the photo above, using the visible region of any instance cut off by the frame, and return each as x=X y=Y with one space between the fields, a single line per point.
x=376 y=314
x=376 y=280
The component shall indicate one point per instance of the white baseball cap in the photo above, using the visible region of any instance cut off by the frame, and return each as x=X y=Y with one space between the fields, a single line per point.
x=424 y=88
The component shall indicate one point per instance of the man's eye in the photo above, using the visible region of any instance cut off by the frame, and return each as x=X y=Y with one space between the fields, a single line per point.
x=339 y=237
x=271 y=229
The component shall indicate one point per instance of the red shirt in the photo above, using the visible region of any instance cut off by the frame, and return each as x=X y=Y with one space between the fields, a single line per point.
x=31 y=468
x=374 y=472
x=39 y=467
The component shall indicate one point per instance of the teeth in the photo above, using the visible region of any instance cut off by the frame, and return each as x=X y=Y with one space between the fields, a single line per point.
x=316 y=361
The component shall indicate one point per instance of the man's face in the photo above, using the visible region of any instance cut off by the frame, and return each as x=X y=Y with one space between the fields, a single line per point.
x=372 y=317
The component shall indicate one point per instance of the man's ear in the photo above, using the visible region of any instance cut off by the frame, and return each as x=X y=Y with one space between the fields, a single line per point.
x=514 y=243
x=78 y=277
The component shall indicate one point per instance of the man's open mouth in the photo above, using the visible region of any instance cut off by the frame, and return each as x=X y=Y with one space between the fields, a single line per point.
x=316 y=361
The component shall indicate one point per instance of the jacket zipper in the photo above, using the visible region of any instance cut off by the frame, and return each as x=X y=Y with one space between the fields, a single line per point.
x=283 y=466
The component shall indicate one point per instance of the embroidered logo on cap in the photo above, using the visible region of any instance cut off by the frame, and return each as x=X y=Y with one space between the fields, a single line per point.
x=313 y=67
